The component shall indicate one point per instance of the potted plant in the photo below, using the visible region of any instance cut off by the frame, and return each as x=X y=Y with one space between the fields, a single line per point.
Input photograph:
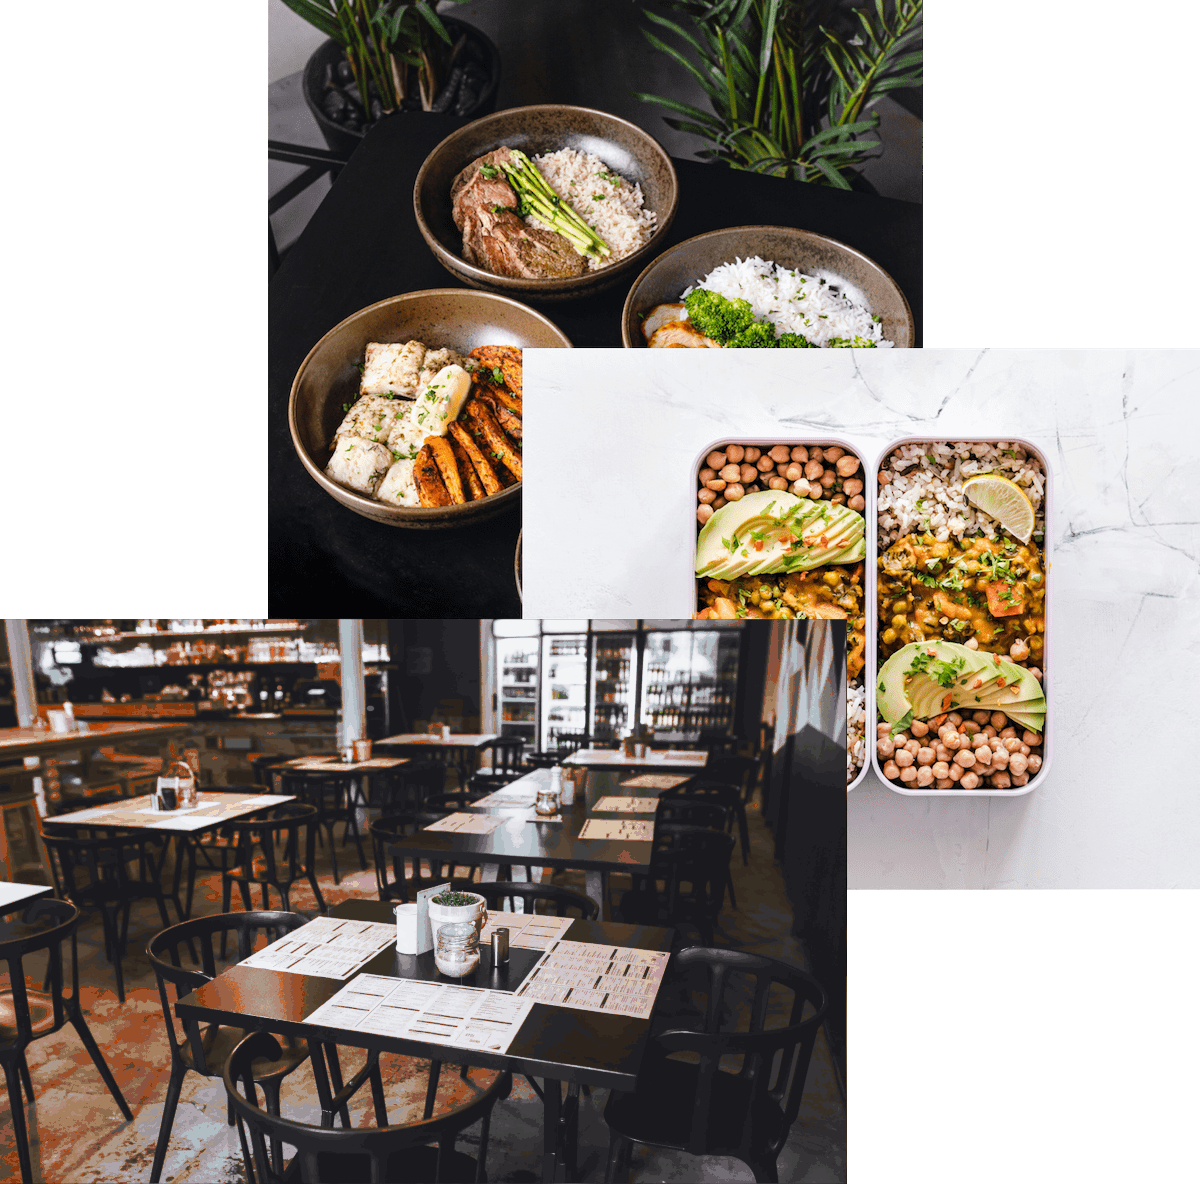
x=383 y=56
x=448 y=908
x=791 y=81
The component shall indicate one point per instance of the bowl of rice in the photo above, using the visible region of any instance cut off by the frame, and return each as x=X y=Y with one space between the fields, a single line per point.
x=800 y=283
x=611 y=172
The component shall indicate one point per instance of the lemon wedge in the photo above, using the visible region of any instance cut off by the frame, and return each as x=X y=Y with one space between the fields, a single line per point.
x=1003 y=500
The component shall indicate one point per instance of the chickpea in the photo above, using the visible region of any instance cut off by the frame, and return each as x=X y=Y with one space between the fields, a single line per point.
x=956 y=772
x=730 y=473
x=777 y=483
x=903 y=758
x=941 y=768
x=1008 y=733
x=752 y=454
x=813 y=469
x=924 y=756
x=968 y=727
x=943 y=783
x=969 y=781
x=1012 y=744
x=1036 y=673
x=765 y=464
x=1000 y=758
x=780 y=452
x=705 y=496
x=983 y=756
x=918 y=728
x=827 y=479
x=998 y=720
x=703 y=514
x=815 y=490
x=1034 y=762
x=705 y=475
x=972 y=643
x=990 y=732
x=735 y=453
x=734 y=492
x=1024 y=749
x=954 y=718
x=800 y=453
x=1001 y=780
x=857 y=502
x=717 y=483
x=891 y=770
x=942 y=753
x=715 y=460
x=816 y=454
x=980 y=717
x=747 y=474
x=924 y=777
x=885 y=746
x=719 y=503
x=980 y=740
x=900 y=737
x=913 y=746
x=889 y=636
x=800 y=488
x=883 y=730
x=838 y=499
x=953 y=741
x=847 y=466
x=966 y=758
x=1033 y=739
x=1019 y=650
x=908 y=774
x=1020 y=779
x=899 y=621
x=1018 y=763
x=853 y=486
x=885 y=478
x=794 y=471
x=833 y=452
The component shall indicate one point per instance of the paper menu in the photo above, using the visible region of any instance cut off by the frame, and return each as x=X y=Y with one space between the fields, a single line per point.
x=434 y=1012
x=617 y=828
x=467 y=824
x=526 y=931
x=627 y=805
x=510 y=795
x=655 y=781
x=614 y=979
x=327 y=947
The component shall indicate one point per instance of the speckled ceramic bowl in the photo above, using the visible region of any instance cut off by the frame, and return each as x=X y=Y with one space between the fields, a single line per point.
x=441 y=317
x=677 y=269
x=628 y=150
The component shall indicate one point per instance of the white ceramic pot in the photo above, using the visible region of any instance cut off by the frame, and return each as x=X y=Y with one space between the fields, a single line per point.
x=440 y=914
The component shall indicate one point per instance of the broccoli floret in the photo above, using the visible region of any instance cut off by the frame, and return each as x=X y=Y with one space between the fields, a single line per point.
x=794 y=341
x=851 y=343
x=717 y=317
x=756 y=336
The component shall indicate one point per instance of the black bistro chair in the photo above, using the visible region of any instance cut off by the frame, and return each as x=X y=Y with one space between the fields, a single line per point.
x=729 y=796
x=110 y=874
x=552 y=900
x=335 y=798
x=741 y=771
x=459 y=800
x=698 y=1107
x=391 y=875
x=323 y=1154
x=278 y=870
x=698 y=812
x=506 y=764
x=689 y=873
x=27 y=1015
x=569 y=742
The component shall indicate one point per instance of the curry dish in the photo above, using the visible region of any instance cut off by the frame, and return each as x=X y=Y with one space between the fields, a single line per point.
x=827 y=593
x=992 y=590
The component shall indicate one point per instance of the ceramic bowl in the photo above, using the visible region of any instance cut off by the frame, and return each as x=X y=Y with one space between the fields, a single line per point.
x=677 y=269
x=440 y=317
x=625 y=148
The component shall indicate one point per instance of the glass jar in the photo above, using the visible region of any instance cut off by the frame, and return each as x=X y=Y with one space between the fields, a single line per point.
x=180 y=774
x=457 y=951
x=547 y=799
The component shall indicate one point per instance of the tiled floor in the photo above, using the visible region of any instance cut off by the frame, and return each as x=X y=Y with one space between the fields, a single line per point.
x=600 y=59
x=80 y=1137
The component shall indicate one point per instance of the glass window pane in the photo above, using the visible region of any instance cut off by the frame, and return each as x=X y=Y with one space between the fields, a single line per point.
x=565 y=626
x=514 y=628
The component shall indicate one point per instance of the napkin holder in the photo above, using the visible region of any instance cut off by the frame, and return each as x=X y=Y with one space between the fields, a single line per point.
x=423 y=930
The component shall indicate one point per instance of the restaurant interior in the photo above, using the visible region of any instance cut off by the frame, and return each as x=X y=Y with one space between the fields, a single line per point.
x=422 y=900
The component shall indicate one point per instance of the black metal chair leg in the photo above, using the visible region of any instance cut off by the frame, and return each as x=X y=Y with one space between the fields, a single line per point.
x=168 y=1119
x=26 y=1081
x=226 y=896
x=335 y=1077
x=312 y=879
x=618 y=1158
x=89 y=1042
x=337 y=879
x=271 y=1090
x=18 y=1120
x=435 y=1071
x=377 y=1098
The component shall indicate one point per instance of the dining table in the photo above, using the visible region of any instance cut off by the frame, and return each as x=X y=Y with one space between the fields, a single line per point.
x=676 y=760
x=557 y=1044
x=362 y=245
x=17 y=896
x=460 y=749
x=137 y=814
x=16 y=743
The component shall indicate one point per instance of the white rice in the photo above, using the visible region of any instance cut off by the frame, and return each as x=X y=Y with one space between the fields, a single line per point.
x=925 y=491
x=856 y=729
x=606 y=202
x=818 y=307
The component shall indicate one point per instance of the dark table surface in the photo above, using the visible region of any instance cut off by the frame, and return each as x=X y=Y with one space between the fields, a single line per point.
x=362 y=245
x=560 y=1043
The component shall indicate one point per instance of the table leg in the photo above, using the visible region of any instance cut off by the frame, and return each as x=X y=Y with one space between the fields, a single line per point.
x=321 y=1077
x=552 y=1102
x=595 y=884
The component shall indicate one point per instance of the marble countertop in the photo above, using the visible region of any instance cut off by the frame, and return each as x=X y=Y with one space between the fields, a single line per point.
x=1121 y=804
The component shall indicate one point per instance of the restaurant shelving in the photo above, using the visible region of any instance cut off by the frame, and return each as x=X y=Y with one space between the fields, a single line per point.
x=614 y=684
x=689 y=681
x=518 y=691
x=564 y=690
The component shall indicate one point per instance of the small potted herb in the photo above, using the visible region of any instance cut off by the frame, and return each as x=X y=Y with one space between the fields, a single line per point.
x=448 y=908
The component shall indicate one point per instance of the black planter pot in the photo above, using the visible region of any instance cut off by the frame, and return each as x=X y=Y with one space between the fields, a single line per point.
x=324 y=60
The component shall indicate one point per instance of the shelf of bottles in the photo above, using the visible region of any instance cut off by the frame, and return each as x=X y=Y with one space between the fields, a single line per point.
x=613 y=685
x=689 y=681
x=517 y=660
x=564 y=693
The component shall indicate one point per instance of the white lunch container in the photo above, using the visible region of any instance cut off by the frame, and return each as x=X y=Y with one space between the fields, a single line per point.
x=872 y=639
x=867 y=677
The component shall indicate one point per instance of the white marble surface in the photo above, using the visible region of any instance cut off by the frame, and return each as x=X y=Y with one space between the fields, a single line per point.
x=611 y=441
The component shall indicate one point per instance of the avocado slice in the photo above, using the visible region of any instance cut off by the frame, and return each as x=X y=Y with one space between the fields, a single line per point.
x=776 y=531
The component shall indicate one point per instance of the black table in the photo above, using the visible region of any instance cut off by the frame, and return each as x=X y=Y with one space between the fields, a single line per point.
x=15 y=896
x=555 y=1043
x=362 y=245
x=542 y=844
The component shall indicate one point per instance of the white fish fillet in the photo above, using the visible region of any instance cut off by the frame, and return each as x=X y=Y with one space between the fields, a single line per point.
x=371 y=418
x=394 y=368
x=358 y=463
x=398 y=487
x=434 y=361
